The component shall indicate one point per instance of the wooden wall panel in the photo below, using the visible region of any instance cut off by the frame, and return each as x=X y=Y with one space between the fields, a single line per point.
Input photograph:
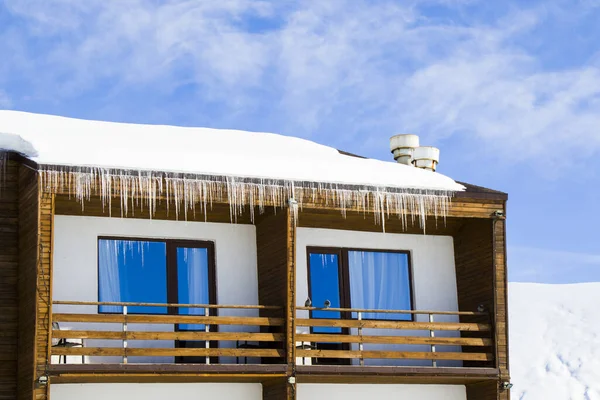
x=474 y=265
x=277 y=390
x=291 y=290
x=28 y=263
x=44 y=291
x=501 y=290
x=271 y=250
x=93 y=207
x=9 y=261
x=365 y=222
x=473 y=252
x=483 y=391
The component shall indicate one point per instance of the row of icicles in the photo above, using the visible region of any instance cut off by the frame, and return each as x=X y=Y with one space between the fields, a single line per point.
x=192 y=194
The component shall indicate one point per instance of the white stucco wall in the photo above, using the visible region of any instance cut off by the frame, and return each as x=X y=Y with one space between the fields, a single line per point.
x=433 y=274
x=76 y=270
x=379 y=391
x=156 y=391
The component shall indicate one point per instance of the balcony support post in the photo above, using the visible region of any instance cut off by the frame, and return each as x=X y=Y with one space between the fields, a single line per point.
x=207 y=329
x=125 y=334
x=432 y=335
x=360 y=343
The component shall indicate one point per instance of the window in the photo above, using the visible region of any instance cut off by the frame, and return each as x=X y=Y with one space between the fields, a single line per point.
x=156 y=271
x=132 y=271
x=324 y=285
x=356 y=278
x=380 y=280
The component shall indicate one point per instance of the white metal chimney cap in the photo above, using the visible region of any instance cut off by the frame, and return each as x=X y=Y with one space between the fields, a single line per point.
x=403 y=141
x=427 y=153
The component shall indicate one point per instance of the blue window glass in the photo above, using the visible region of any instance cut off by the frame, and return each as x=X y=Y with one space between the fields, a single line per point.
x=192 y=282
x=132 y=271
x=325 y=285
x=380 y=280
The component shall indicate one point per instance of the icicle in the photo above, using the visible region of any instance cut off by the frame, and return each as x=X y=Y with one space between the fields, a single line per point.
x=186 y=192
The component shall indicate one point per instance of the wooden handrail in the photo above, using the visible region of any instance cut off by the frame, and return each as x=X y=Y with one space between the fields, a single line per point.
x=175 y=305
x=414 y=312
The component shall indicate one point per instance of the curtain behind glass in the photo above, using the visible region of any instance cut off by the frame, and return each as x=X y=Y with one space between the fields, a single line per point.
x=379 y=280
x=192 y=282
x=109 y=287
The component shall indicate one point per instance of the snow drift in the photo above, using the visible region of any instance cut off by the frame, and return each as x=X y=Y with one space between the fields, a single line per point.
x=555 y=341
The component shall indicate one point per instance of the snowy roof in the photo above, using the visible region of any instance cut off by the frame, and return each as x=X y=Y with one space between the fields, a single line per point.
x=53 y=140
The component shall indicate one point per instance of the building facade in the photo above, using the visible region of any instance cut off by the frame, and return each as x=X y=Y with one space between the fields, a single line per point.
x=115 y=293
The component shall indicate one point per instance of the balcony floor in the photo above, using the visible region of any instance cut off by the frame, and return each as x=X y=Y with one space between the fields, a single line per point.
x=78 y=373
x=380 y=374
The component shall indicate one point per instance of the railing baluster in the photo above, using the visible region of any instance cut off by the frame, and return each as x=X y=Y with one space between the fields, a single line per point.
x=207 y=329
x=432 y=335
x=360 y=343
x=125 y=333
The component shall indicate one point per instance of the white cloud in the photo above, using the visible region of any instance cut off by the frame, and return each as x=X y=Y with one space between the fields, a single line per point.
x=339 y=66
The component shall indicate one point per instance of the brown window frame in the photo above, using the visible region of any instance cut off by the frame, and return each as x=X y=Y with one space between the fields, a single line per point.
x=171 y=269
x=344 y=276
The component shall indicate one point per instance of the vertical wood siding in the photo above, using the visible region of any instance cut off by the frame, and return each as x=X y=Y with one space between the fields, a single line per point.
x=275 y=234
x=28 y=262
x=501 y=303
x=474 y=274
x=44 y=291
x=276 y=390
x=9 y=261
x=271 y=251
x=483 y=391
x=480 y=251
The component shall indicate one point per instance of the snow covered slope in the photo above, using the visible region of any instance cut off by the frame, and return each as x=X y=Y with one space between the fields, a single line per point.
x=555 y=341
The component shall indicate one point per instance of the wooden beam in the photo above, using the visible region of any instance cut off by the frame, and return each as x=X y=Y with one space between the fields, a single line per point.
x=132 y=335
x=172 y=352
x=168 y=319
x=403 y=355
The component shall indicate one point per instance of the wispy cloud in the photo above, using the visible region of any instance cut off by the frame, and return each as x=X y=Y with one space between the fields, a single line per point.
x=367 y=69
x=530 y=264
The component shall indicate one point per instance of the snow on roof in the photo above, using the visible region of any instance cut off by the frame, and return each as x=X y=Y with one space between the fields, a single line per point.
x=53 y=140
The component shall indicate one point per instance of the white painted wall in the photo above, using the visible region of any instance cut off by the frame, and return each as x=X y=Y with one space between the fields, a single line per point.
x=323 y=391
x=433 y=273
x=76 y=270
x=156 y=391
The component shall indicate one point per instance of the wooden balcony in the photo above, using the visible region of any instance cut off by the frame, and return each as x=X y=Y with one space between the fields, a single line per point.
x=429 y=338
x=226 y=339
x=234 y=343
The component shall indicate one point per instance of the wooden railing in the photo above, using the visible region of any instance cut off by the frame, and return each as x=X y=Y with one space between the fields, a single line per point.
x=476 y=336
x=109 y=335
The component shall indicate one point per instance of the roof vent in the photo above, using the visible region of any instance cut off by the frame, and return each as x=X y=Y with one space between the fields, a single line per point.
x=402 y=146
x=426 y=157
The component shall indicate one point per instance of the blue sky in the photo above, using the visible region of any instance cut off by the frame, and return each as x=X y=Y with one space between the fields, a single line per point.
x=510 y=91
